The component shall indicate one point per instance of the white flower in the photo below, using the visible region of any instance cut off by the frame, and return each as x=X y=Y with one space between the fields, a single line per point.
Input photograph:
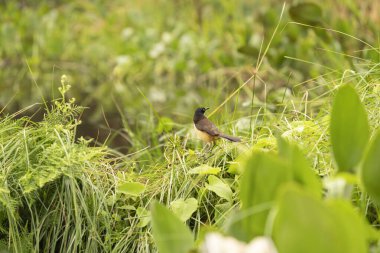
x=123 y=60
x=157 y=95
x=216 y=243
x=157 y=49
x=337 y=187
x=261 y=244
x=166 y=37
x=296 y=130
x=127 y=32
x=185 y=41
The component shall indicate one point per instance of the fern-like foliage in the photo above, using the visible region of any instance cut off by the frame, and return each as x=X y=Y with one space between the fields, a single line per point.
x=51 y=190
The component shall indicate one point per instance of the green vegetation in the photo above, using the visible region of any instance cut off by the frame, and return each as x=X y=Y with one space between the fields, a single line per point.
x=118 y=169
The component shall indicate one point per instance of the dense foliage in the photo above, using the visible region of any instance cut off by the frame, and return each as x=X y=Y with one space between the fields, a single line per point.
x=298 y=83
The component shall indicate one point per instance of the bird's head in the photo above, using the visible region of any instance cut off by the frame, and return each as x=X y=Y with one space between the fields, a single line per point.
x=199 y=114
x=201 y=110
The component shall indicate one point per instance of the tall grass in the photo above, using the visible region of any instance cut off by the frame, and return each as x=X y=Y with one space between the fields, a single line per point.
x=54 y=188
x=59 y=193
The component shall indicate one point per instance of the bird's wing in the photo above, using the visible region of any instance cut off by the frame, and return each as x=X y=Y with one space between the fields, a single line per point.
x=207 y=126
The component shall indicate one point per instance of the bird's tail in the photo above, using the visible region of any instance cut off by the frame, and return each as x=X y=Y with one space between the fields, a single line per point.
x=230 y=138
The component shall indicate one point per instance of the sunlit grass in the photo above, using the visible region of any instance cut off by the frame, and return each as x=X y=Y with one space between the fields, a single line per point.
x=65 y=188
x=58 y=190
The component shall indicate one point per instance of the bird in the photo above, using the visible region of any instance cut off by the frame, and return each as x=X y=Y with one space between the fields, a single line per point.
x=206 y=130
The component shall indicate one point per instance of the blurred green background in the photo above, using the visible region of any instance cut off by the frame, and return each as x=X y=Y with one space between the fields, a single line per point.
x=146 y=65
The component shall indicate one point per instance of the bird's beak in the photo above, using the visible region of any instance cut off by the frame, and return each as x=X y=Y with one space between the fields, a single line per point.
x=207 y=108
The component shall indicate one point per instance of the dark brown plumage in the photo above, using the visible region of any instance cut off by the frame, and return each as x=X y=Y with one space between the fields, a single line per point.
x=206 y=130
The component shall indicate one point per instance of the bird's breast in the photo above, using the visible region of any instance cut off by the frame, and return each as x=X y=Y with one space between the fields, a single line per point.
x=204 y=136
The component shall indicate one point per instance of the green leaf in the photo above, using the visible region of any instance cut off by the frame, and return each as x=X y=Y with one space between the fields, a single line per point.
x=131 y=188
x=352 y=227
x=127 y=207
x=304 y=223
x=248 y=50
x=265 y=144
x=302 y=173
x=169 y=233
x=349 y=129
x=222 y=210
x=144 y=217
x=164 y=125
x=184 y=208
x=310 y=14
x=263 y=175
x=219 y=187
x=348 y=177
x=370 y=170
x=306 y=13
x=205 y=169
x=236 y=222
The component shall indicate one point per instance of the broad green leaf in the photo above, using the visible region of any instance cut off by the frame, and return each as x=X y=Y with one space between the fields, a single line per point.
x=310 y=14
x=349 y=129
x=304 y=223
x=131 y=188
x=370 y=170
x=144 y=217
x=306 y=13
x=205 y=169
x=302 y=173
x=249 y=50
x=235 y=225
x=184 y=208
x=351 y=226
x=219 y=187
x=263 y=175
x=222 y=210
x=241 y=223
x=262 y=145
x=169 y=233
x=236 y=166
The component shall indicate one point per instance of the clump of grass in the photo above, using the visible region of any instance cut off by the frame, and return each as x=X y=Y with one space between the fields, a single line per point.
x=53 y=188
